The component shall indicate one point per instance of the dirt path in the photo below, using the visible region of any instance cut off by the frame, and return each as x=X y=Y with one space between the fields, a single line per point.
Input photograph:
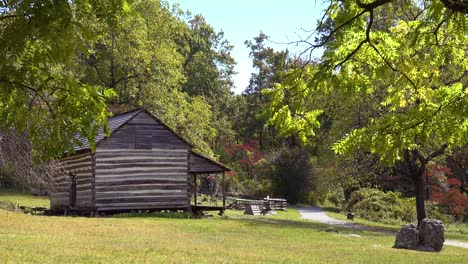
x=318 y=214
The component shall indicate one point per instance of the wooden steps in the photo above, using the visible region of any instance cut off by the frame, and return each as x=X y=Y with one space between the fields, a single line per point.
x=252 y=209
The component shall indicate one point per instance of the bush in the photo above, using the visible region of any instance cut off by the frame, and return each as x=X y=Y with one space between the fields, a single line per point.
x=255 y=189
x=336 y=197
x=291 y=174
x=376 y=205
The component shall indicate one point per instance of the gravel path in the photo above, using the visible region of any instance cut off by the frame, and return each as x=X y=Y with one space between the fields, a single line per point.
x=318 y=214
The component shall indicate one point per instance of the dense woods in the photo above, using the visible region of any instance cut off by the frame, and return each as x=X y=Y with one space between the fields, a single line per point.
x=382 y=113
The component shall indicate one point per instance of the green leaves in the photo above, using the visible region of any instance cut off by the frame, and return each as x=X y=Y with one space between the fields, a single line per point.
x=401 y=81
x=40 y=91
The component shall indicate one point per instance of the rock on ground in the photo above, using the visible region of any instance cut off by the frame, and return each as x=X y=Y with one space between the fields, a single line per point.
x=407 y=237
x=431 y=233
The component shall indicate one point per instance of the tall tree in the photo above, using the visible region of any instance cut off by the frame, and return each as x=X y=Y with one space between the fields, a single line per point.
x=415 y=68
x=40 y=93
x=208 y=68
x=270 y=65
x=138 y=57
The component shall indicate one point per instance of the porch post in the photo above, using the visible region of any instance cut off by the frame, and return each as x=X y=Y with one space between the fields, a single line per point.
x=195 y=188
x=224 y=193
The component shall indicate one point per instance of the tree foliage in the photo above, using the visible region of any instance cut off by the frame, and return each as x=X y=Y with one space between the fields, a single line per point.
x=405 y=58
x=40 y=93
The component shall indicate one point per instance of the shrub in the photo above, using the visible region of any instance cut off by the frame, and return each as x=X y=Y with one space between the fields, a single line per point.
x=291 y=174
x=446 y=193
x=255 y=189
x=376 y=205
x=336 y=197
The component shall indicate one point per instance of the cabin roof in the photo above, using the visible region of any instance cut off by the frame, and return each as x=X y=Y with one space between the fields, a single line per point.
x=114 y=123
x=117 y=121
x=206 y=169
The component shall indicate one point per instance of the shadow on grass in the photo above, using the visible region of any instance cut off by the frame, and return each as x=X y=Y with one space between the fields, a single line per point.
x=173 y=215
x=306 y=224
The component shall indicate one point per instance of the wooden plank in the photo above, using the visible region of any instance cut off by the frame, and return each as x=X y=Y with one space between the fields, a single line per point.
x=118 y=151
x=164 y=186
x=134 y=182
x=150 y=175
x=150 y=199
x=151 y=164
x=154 y=192
x=141 y=205
x=74 y=157
x=117 y=170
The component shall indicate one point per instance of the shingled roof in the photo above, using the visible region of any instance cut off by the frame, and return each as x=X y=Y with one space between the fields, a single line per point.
x=117 y=121
x=114 y=122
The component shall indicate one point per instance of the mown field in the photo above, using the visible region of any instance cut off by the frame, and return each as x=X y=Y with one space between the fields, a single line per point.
x=283 y=238
x=454 y=231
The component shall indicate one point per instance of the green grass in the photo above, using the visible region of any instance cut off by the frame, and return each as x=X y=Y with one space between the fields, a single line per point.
x=25 y=199
x=234 y=238
x=452 y=231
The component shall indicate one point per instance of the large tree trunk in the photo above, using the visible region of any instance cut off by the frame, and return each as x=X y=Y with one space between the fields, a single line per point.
x=419 y=189
x=414 y=166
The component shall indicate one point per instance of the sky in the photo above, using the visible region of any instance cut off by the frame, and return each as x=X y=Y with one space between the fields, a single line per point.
x=243 y=20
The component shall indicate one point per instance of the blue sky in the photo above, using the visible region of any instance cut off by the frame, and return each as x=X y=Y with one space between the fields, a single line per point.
x=243 y=20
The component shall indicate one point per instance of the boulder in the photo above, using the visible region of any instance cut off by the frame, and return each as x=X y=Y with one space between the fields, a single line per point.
x=407 y=237
x=431 y=233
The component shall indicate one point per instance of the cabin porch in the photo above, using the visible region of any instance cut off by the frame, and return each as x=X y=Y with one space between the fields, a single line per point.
x=203 y=166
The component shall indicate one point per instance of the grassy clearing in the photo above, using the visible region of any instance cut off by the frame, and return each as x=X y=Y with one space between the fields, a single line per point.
x=232 y=239
x=452 y=231
x=235 y=238
x=19 y=198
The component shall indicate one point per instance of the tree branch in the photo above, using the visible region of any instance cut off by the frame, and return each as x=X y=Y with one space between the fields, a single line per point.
x=465 y=73
x=436 y=31
x=366 y=40
x=373 y=5
x=456 y=5
x=438 y=152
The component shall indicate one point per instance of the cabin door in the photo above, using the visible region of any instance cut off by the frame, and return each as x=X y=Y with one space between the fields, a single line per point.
x=72 y=191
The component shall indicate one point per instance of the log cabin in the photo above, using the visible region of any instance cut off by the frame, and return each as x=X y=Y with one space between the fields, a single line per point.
x=142 y=165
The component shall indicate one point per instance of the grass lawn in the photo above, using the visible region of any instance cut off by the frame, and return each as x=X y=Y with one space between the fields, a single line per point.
x=236 y=238
x=452 y=231
x=20 y=198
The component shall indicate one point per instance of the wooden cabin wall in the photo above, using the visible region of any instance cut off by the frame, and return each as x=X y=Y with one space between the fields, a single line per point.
x=81 y=167
x=142 y=166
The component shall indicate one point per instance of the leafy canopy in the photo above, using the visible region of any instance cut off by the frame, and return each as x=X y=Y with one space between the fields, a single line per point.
x=40 y=93
x=408 y=58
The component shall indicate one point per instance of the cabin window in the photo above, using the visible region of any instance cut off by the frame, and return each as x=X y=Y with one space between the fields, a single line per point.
x=72 y=190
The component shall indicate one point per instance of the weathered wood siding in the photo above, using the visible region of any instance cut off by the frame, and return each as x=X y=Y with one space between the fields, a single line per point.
x=201 y=165
x=141 y=166
x=81 y=167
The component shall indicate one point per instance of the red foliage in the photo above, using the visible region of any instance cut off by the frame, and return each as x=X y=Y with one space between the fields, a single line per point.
x=454 y=182
x=231 y=173
x=246 y=155
x=445 y=191
x=437 y=170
